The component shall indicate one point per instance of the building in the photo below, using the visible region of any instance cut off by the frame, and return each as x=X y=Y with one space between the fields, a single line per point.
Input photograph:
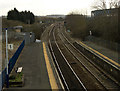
x=105 y=12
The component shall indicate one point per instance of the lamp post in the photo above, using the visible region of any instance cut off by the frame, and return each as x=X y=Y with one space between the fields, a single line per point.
x=7 y=82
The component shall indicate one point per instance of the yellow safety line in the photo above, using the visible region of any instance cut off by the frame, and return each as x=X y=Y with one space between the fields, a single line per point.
x=49 y=69
x=101 y=54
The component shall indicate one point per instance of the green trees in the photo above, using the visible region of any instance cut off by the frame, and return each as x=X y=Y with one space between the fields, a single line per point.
x=26 y=16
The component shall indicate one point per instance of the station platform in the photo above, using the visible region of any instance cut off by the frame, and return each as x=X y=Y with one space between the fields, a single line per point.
x=38 y=68
x=110 y=55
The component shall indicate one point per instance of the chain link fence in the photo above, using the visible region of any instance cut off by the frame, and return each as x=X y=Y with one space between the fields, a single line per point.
x=15 y=45
x=14 y=40
x=105 y=43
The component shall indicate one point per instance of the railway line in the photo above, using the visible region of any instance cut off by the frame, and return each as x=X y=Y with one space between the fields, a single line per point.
x=94 y=70
x=69 y=79
x=75 y=69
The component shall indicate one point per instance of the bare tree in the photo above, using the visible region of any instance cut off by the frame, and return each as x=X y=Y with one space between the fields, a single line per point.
x=103 y=4
x=114 y=4
x=99 y=4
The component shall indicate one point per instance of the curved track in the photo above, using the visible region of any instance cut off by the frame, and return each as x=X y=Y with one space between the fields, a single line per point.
x=70 y=79
x=75 y=69
x=104 y=80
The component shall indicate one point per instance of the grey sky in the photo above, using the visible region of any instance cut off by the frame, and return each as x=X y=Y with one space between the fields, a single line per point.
x=46 y=7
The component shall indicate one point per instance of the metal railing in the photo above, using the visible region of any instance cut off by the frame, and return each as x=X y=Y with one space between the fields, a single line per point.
x=108 y=44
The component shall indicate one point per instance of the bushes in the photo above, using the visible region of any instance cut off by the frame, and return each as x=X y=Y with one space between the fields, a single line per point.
x=105 y=27
x=77 y=24
x=37 y=29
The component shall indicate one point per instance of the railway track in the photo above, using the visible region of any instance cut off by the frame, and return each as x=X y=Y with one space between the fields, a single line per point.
x=75 y=69
x=70 y=80
x=58 y=68
x=94 y=70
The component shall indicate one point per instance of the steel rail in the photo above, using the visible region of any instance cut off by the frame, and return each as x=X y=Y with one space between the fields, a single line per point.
x=84 y=65
x=58 y=66
x=60 y=72
x=69 y=64
x=89 y=61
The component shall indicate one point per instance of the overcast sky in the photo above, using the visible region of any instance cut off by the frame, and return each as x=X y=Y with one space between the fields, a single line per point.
x=46 y=7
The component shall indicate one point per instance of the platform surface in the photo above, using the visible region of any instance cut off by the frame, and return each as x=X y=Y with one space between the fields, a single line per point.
x=112 y=56
x=35 y=68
